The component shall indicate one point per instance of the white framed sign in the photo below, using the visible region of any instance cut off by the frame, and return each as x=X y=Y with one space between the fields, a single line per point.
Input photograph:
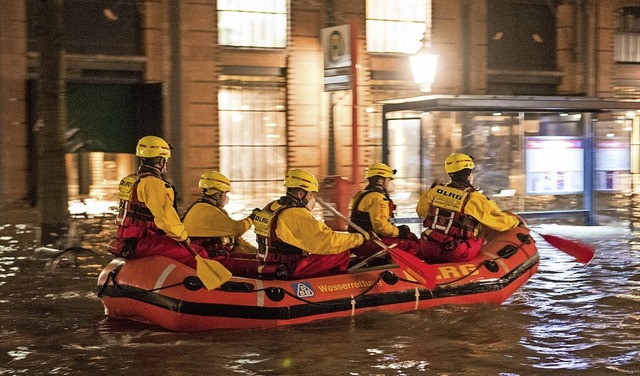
x=554 y=165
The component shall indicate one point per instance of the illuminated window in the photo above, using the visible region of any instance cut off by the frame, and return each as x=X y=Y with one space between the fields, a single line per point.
x=252 y=23
x=627 y=44
x=397 y=26
x=252 y=136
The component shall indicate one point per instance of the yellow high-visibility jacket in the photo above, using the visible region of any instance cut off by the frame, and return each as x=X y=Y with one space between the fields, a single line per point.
x=203 y=220
x=297 y=227
x=206 y=220
x=379 y=208
x=158 y=196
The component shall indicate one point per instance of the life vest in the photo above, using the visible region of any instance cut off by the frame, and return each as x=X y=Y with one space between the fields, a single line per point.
x=215 y=245
x=446 y=222
x=362 y=218
x=271 y=249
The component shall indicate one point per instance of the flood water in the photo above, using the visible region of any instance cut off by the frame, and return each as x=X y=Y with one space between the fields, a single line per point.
x=567 y=320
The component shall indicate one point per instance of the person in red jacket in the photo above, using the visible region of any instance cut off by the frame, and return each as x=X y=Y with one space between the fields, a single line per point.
x=148 y=223
x=453 y=213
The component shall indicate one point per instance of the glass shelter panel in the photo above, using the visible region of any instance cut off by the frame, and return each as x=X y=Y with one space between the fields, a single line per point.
x=568 y=159
x=515 y=154
x=612 y=166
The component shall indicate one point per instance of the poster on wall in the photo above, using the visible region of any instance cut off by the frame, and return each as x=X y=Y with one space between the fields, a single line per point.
x=612 y=165
x=554 y=165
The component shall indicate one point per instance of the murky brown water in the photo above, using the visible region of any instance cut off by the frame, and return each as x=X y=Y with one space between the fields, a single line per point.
x=567 y=320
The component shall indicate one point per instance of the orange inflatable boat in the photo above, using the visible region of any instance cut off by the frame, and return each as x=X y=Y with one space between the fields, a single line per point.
x=163 y=292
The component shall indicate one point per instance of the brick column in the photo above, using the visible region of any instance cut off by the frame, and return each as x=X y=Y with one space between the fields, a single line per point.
x=305 y=89
x=200 y=86
x=13 y=134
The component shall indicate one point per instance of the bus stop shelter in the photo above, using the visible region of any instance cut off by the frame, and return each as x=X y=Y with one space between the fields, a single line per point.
x=540 y=156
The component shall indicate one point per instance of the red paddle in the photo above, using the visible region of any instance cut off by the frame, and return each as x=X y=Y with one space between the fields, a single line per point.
x=582 y=252
x=422 y=272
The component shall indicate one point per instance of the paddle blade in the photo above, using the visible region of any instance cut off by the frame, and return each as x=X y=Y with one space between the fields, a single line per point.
x=422 y=272
x=583 y=253
x=212 y=273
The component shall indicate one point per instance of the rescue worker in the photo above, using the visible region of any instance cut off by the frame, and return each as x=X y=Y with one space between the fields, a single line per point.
x=210 y=226
x=291 y=242
x=373 y=208
x=453 y=214
x=148 y=223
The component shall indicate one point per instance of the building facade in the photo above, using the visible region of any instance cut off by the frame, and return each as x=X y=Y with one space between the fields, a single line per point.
x=242 y=86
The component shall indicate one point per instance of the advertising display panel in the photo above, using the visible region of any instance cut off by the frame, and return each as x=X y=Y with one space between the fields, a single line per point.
x=612 y=164
x=554 y=165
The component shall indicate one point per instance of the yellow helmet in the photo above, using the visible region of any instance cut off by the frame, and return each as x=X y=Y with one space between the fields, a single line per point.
x=380 y=169
x=214 y=180
x=458 y=161
x=152 y=146
x=300 y=178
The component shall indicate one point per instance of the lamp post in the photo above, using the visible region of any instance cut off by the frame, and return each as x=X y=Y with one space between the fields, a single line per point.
x=423 y=65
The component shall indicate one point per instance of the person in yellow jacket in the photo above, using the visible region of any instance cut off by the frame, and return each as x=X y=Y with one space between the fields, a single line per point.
x=372 y=210
x=148 y=223
x=291 y=242
x=210 y=226
x=453 y=213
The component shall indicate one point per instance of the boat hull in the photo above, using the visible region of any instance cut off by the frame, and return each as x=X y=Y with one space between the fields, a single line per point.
x=160 y=291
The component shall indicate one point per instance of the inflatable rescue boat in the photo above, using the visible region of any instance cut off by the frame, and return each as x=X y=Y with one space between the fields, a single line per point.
x=160 y=291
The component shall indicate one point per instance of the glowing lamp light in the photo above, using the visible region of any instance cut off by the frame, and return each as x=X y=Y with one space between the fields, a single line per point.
x=424 y=64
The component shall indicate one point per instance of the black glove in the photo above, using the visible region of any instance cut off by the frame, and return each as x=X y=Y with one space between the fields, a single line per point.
x=404 y=231
x=255 y=211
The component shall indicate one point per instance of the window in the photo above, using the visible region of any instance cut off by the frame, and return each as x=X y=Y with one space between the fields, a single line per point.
x=252 y=23
x=397 y=25
x=108 y=27
x=252 y=136
x=521 y=37
x=627 y=44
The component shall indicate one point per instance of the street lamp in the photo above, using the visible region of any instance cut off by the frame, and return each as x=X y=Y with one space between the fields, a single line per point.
x=423 y=65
